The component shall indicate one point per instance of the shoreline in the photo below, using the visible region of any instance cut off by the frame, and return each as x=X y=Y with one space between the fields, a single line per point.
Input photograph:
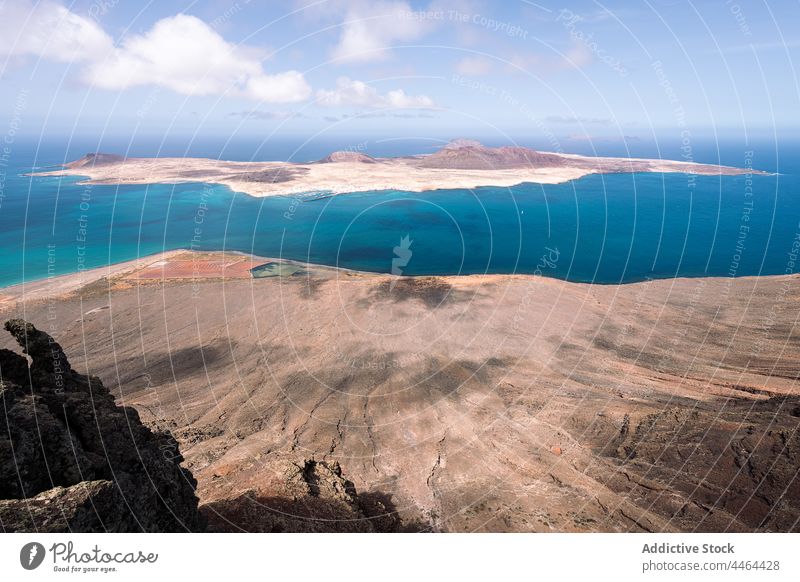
x=67 y=283
x=87 y=180
x=457 y=166
x=247 y=374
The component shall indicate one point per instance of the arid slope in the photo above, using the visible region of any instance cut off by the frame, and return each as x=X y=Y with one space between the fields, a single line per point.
x=499 y=403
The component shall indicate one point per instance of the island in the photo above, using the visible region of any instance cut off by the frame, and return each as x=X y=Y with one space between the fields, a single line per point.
x=458 y=164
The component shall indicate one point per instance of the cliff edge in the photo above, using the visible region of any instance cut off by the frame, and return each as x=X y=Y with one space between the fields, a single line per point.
x=71 y=460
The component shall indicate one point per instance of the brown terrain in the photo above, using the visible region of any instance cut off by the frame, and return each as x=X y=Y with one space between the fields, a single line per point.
x=458 y=164
x=472 y=155
x=338 y=401
x=72 y=460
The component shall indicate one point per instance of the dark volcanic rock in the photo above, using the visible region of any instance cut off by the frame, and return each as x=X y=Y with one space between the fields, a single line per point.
x=271 y=175
x=72 y=460
x=89 y=506
x=738 y=459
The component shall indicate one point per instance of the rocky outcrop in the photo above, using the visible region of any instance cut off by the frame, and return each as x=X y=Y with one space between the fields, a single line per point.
x=303 y=496
x=72 y=460
x=700 y=466
x=89 y=506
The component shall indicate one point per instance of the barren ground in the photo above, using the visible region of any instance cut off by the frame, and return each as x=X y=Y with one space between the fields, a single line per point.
x=482 y=403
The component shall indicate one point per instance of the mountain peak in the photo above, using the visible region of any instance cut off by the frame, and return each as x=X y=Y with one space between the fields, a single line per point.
x=96 y=159
x=347 y=156
x=469 y=154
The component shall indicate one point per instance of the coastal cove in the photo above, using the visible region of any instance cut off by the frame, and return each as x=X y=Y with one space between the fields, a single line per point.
x=613 y=228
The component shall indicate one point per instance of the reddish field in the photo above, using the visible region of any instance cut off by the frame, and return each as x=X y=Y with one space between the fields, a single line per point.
x=199 y=268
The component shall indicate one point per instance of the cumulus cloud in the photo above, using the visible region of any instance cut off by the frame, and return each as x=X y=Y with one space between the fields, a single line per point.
x=371 y=28
x=358 y=93
x=181 y=53
x=184 y=54
x=48 y=30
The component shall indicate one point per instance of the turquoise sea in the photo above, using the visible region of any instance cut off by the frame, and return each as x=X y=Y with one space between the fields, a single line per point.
x=603 y=229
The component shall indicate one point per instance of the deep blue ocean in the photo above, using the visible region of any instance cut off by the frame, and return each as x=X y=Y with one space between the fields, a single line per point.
x=603 y=228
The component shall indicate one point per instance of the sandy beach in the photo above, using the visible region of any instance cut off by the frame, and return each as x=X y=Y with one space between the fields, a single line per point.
x=61 y=285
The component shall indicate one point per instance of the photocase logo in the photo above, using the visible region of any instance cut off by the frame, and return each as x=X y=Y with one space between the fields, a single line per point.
x=31 y=555
x=402 y=254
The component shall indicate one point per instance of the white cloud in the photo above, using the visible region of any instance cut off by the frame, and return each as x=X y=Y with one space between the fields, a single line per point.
x=50 y=31
x=181 y=53
x=358 y=93
x=184 y=54
x=371 y=28
x=286 y=87
x=473 y=66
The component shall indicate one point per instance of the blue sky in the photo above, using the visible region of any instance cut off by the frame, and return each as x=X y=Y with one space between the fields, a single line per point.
x=549 y=72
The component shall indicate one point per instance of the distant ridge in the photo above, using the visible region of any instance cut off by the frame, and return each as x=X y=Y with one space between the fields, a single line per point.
x=346 y=156
x=95 y=159
x=467 y=154
x=457 y=164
